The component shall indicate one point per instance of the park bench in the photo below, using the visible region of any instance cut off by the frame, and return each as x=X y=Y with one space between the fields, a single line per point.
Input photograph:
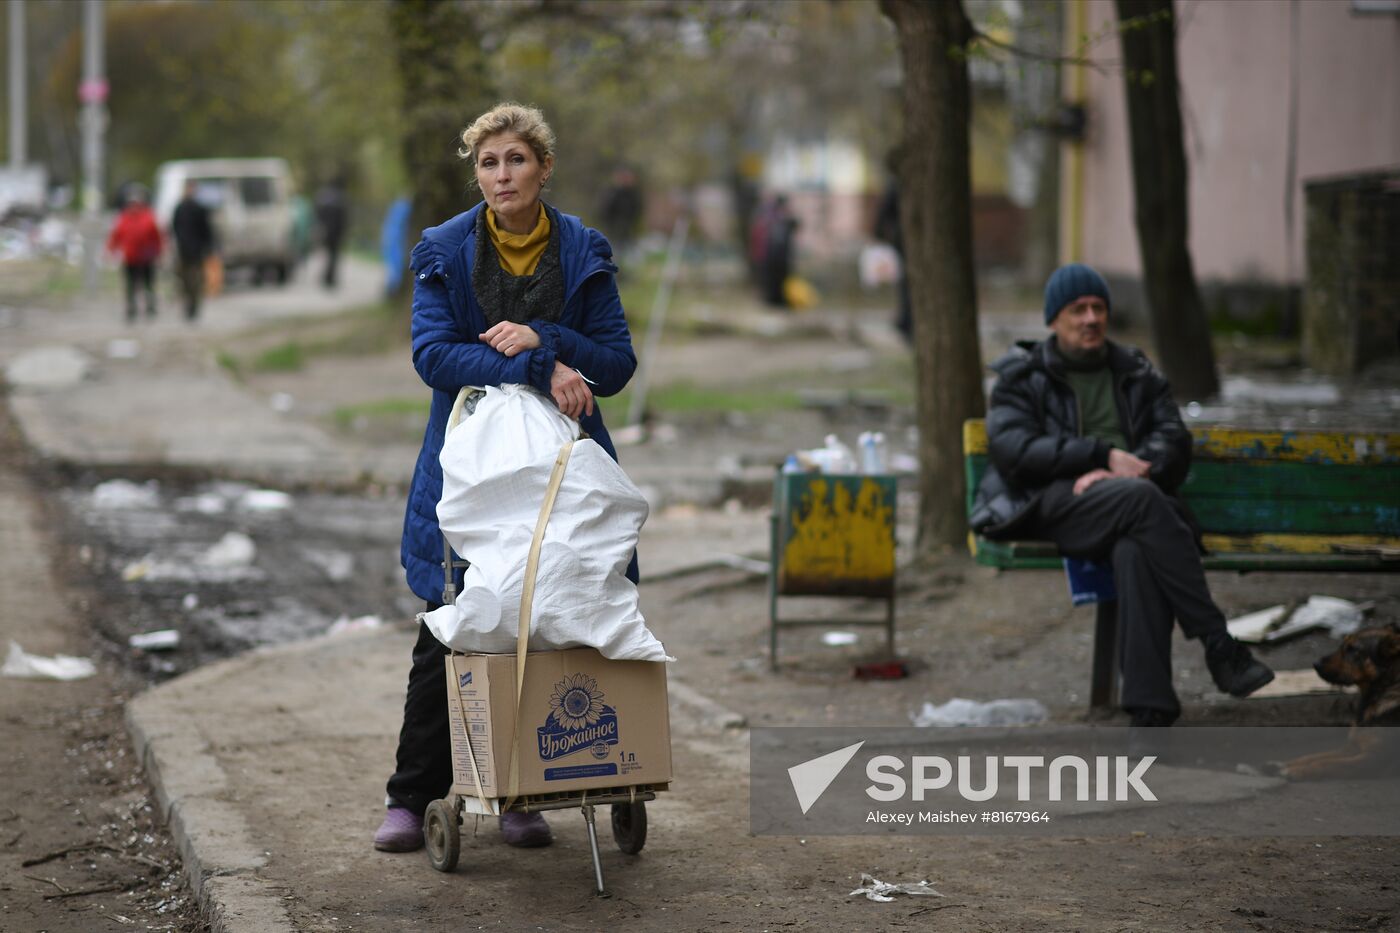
x=1265 y=500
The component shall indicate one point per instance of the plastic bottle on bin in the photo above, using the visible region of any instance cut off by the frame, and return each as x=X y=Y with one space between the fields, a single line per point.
x=873 y=453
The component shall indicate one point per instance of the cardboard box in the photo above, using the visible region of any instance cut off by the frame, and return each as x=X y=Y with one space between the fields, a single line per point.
x=585 y=722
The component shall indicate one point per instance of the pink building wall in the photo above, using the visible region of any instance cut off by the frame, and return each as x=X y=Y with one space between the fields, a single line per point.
x=1236 y=62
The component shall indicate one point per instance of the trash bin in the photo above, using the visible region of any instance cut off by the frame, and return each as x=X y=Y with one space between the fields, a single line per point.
x=832 y=535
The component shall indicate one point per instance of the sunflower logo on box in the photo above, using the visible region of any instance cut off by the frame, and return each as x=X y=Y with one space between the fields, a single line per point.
x=578 y=719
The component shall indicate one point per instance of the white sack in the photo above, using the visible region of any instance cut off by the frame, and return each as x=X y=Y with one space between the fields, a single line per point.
x=495 y=471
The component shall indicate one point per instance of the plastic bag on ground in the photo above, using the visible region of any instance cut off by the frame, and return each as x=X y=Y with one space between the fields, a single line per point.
x=963 y=712
x=496 y=467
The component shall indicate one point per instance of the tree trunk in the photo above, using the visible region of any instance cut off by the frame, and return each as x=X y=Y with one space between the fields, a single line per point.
x=445 y=87
x=1179 y=326
x=936 y=221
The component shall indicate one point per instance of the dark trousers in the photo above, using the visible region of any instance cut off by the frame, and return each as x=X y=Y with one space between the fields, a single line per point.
x=140 y=276
x=330 y=279
x=423 y=769
x=192 y=285
x=1156 y=569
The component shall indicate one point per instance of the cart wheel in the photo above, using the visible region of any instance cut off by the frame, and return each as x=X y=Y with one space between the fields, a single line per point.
x=629 y=824
x=442 y=836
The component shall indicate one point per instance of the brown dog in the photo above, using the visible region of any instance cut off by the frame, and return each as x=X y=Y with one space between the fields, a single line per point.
x=1370 y=660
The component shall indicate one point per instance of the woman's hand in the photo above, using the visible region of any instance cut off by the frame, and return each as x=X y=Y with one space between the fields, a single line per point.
x=510 y=339
x=571 y=393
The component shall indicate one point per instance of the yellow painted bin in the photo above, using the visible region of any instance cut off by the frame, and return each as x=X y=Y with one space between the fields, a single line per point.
x=832 y=535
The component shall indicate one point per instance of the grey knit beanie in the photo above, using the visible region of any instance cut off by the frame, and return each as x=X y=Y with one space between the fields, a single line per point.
x=1072 y=282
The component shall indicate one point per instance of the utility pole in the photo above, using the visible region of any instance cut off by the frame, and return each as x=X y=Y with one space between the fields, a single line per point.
x=19 y=116
x=93 y=124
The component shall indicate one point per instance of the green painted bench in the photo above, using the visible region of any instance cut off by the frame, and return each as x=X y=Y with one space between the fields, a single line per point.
x=1266 y=500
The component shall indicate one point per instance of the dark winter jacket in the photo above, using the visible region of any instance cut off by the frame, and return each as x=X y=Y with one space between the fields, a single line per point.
x=194 y=235
x=591 y=336
x=1033 y=431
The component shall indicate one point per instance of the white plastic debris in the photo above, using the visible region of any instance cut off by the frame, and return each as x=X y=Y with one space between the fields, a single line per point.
x=1339 y=616
x=206 y=503
x=264 y=500
x=883 y=891
x=124 y=494
x=123 y=348
x=164 y=640
x=19 y=663
x=190 y=603
x=358 y=624
x=281 y=402
x=963 y=712
x=338 y=566
x=234 y=549
x=48 y=368
x=837 y=639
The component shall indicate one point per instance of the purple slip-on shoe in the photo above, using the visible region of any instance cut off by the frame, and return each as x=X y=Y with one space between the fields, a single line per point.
x=525 y=830
x=401 y=831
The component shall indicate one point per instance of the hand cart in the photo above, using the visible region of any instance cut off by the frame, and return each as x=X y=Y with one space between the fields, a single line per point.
x=443 y=818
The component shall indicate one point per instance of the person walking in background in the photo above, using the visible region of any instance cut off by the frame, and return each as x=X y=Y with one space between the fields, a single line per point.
x=1087 y=450
x=887 y=230
x=780 y=237
x=194 y=243
x=393 y=243
x=136 y=237
x=621 y=210
x=333 y=214
x=511 y=292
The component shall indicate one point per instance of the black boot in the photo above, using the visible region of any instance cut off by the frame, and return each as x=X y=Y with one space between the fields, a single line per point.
x=1234 y=667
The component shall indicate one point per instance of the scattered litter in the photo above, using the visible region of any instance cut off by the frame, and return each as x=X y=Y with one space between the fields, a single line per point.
x=877 y=890
x=281 y=402
x=234 y=549
x=1339 y=616
x=904 y=463
x=18 y=663
x=163 y=640
x=836 y=639
x=124 y=494
x=123 y=348
x=190 y=603
x=228 y=560
x=206 y=503
x=961 y=712
x=336 y=565
x=264 y=500
x=48 y=368
x=881 y=670
x=358 y=624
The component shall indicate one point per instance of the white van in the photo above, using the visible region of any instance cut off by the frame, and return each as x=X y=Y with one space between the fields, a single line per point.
x=251 y=204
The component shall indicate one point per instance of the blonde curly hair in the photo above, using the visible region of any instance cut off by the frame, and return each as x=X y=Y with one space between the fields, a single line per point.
x=509 y=117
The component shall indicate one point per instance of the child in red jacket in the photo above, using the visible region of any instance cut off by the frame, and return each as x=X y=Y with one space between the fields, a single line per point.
x=137 y=238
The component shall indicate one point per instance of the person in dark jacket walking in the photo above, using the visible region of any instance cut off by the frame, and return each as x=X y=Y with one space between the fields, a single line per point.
x=333 y=216
x=512 y=292
x=194 y=242
x=1087 y=450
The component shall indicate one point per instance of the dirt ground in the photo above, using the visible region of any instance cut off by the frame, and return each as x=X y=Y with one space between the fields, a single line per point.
x=82 y=847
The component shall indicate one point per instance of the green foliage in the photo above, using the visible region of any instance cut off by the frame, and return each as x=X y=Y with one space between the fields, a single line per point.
x=285 y=357
x=396 y=409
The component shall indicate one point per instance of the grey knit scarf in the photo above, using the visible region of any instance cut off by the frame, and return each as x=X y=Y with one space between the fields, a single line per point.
x=517 y=298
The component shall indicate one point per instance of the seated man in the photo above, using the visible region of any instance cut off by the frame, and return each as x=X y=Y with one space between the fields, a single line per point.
x=1087 y=448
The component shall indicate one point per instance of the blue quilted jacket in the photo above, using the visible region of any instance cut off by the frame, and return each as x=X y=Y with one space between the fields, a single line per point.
x=591 y=336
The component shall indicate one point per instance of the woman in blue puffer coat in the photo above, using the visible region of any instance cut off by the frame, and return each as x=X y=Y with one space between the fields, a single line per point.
x=510 y=292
